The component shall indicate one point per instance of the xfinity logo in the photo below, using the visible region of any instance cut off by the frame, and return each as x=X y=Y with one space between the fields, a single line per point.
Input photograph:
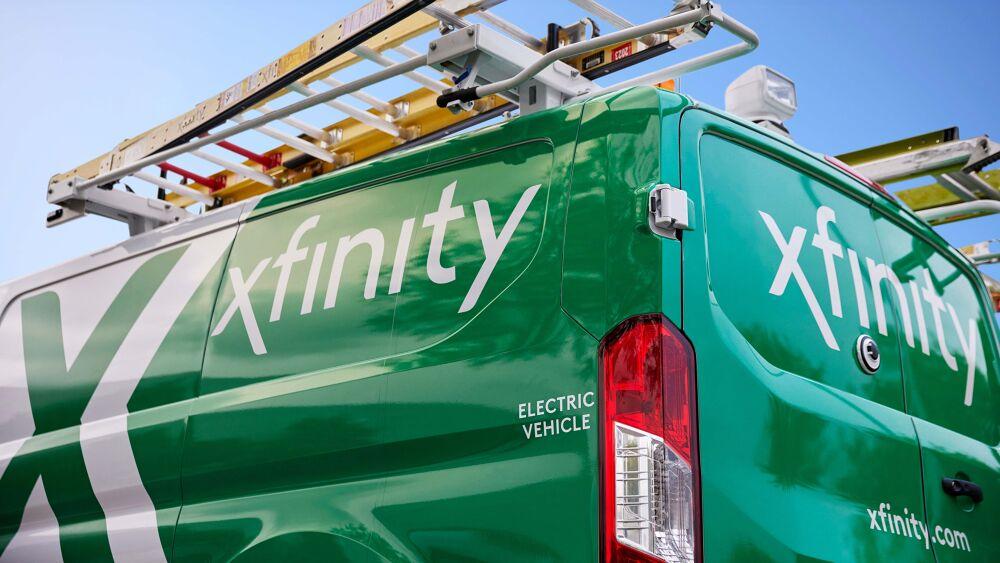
x=372 y=239
x=55 y=337
x=912 y=298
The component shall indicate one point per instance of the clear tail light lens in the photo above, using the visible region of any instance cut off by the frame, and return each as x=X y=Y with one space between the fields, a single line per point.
x=649 y=484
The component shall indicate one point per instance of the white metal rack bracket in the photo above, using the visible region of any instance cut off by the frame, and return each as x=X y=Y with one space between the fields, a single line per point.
x=139 y=213
x=479 y=56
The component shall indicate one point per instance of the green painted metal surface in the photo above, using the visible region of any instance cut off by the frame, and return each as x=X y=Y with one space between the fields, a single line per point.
x=804 y=455
x=398 y=362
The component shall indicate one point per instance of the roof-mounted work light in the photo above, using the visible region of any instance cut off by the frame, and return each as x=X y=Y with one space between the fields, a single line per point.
x=764 y=96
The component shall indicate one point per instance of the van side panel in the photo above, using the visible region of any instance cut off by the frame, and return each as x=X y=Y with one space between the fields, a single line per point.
x=952 y=383
x=799 y=447
x=949 y=337
x=612 y=264
x=95 y=375
x=383 y=414
x=476 y=469
x=283 y=449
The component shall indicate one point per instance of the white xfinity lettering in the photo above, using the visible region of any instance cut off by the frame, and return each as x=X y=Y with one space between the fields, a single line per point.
x=880 y=276
x=438 y=220
x=493 y=245
x=105 y=446
x=371 y=243
x=789 y=268
x=241 y=303
x=285 y=261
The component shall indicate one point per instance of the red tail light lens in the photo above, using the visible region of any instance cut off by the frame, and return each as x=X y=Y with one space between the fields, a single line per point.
x=649 y=458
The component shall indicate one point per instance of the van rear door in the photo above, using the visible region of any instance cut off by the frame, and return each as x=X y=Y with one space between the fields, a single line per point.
x=949 y=359
x=803 y=453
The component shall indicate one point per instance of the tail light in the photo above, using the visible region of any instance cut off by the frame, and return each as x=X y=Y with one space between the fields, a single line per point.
x=649 y=467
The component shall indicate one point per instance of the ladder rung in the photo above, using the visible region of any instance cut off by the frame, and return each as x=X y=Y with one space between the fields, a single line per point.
x=419 y=78
x=314 y=132
x=407 y=52
x=359 y=114
x=295 y=142
x=446 y=16
x=236 y=167
x=603 y=13
x=380 y=105
x=212 y=184
x=268 y=162
x=410 y=53
x=174 y=187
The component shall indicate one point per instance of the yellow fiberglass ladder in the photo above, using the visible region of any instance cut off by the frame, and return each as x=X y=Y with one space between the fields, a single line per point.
x=474 y=65
x=963 y=188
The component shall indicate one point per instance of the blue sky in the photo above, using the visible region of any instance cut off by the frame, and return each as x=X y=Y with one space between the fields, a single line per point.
x=78 y=77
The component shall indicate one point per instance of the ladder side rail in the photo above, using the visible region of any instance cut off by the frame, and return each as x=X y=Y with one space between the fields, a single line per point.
x=248 y=124
x=236 y=168
x=979 y=206
x=928 y=160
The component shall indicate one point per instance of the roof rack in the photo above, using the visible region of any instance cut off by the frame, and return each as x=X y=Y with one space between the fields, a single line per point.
x=963 y=189
x=488 y=69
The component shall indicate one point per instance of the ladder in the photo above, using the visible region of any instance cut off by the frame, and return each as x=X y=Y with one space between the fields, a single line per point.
x=962 y=190
x=474 y=66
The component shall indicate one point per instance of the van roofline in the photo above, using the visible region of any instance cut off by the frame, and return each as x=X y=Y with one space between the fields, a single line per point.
x=167 y=235
x=904 y=216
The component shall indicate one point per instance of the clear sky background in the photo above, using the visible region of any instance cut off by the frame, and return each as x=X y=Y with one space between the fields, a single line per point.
x=78 y=77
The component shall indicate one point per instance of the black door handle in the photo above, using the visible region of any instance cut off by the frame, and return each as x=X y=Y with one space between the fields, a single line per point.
x=961 y=488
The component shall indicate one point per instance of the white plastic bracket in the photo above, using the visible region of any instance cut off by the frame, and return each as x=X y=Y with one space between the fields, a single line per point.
x=669 y=207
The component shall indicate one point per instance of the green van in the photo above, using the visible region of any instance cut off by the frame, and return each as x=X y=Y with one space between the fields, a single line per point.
x=627 y=329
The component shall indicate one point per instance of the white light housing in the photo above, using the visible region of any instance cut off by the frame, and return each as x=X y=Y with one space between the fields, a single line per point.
x=654 y=504
x=764 y=96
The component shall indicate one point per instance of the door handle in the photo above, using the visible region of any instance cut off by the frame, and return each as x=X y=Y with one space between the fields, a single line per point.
x=962 y=488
